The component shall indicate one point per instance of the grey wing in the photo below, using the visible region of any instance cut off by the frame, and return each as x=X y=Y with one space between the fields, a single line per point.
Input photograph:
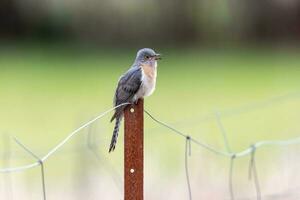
x=128 y=86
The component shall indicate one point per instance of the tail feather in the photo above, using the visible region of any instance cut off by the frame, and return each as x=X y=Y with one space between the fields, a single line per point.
x=118 y=112
x=115 y=133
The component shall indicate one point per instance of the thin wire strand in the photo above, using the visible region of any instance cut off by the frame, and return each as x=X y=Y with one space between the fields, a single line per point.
x=261 y=104
x=223 y=131
x=27 y=149
x=187 y=153
x=269 y=143
x=79 y=129
x=94 y=149
x=43 y=180
x=206 y=146
x=242 y=109
x=252 y=169
x=40 y=163
x=19 y=169
x=231 y=177
x=219 y=152
x=58 y=146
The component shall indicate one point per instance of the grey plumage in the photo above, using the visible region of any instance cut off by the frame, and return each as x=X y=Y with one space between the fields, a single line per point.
x=127 y=87
x=130 y=87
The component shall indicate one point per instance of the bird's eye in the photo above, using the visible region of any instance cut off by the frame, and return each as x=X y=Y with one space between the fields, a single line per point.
x=147 y=57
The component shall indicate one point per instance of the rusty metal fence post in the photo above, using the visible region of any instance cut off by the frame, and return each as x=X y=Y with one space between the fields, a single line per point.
x=134 y=152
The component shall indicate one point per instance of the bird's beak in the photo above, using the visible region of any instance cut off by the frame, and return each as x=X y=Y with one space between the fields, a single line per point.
x=157 y=56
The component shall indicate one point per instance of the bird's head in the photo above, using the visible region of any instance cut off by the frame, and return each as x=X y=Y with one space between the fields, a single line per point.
x=147 y=56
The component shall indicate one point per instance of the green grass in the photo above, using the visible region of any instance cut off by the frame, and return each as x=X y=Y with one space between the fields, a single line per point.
x=48 y=92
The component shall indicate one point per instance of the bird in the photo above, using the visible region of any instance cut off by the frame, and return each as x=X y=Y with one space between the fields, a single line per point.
x=138 y=82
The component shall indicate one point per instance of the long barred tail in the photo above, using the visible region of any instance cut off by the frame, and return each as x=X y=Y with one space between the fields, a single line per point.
x=115 y=134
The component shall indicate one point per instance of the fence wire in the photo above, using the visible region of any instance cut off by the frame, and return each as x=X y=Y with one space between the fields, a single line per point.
x=232 y=156
x=61 y=144
x=188 y=152
x=230 y=178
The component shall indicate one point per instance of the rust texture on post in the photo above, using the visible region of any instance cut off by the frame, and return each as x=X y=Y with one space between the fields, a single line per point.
x=134 y=152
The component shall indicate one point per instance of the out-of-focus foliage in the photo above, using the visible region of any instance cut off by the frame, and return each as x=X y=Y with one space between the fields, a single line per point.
x=144 y=22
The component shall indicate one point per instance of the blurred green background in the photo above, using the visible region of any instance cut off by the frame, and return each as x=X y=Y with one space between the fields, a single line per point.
x=60 y=62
